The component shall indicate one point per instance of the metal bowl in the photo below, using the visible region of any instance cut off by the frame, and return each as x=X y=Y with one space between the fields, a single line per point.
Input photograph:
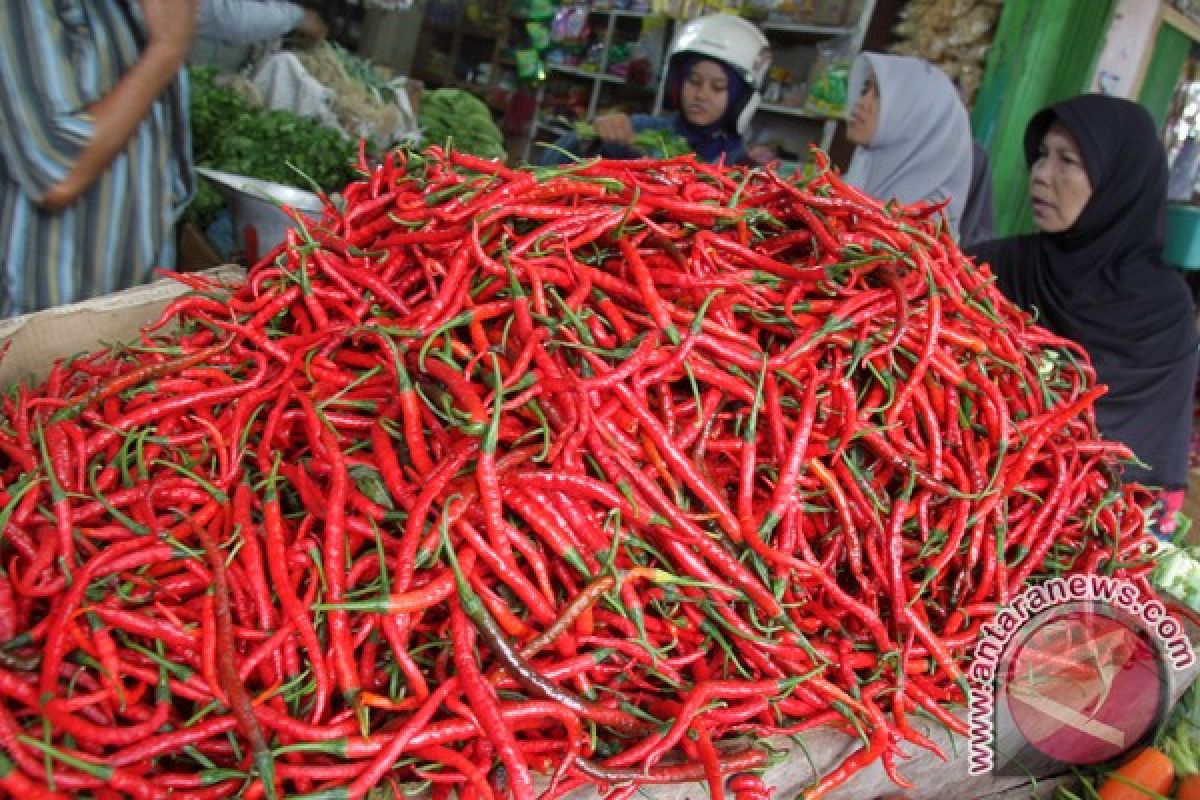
x=259 y=221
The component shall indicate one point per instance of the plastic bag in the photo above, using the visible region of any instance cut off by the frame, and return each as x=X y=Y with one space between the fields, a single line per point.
x=931 y=45
x=970 y=78
x=593 y=56
x=539 y=36
x=530 y=68
x=318 y=85
x=283 y=83
x=570 y=25
x=533 y=9
x=973 y=27
x=953 y=69
x=618 y=59
x=829 y=79
x=1183 y=171
x=640 y=71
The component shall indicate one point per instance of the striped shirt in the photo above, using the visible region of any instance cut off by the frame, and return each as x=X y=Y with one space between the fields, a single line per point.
x=58 y=57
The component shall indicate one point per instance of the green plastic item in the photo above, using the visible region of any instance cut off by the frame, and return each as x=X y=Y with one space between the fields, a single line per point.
x=539 y=36
x=827 y=89
x=530 y=67
x=655 y=143
x=534 y=9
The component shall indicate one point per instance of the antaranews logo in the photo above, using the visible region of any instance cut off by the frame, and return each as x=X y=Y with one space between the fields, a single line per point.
x=1076 y=670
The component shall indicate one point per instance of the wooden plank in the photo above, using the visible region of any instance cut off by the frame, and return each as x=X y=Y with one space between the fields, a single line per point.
x=1147 y=55
x=1042 y=790
x=1161 y=73
x=1181 y=22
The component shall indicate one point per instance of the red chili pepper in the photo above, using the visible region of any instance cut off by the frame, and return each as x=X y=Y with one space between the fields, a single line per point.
x=277 y=567
x=484 y=704
x=484 y=344
x=19 y=785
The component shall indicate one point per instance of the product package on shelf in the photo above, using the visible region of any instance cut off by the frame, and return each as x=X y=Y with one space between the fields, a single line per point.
x=955 y=35
x=829 y=78
x=815 y=12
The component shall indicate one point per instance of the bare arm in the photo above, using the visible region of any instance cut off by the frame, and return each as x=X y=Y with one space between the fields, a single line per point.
x=252 y=21
x=312 y=26
x=169 y=24
x=616 y=127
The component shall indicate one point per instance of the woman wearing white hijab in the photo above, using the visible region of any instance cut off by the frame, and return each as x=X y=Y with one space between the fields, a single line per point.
x=912 y=133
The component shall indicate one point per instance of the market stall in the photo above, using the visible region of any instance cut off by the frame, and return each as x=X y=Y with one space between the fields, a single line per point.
x=653 y=477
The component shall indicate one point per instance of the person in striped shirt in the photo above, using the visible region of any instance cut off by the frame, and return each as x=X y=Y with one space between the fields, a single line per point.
x=95 y=151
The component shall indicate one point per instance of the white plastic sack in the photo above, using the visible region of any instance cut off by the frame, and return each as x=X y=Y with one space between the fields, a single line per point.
x=409 y=129
x=284 y=83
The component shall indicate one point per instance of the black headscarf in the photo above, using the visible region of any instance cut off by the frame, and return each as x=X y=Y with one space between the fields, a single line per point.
x=1103 y=283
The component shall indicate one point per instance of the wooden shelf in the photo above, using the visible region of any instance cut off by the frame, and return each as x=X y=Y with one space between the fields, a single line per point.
x=1181 y=21
x=810 y=30
x=603 y=77
x=431 y=76
x=620 y=12
x=794 y=111
x=554 y=127
x=788 y=124
x=780 y=121
x=446 y=81
x=480 y=33
x=611 y=12
x=465 y=30
x=479 y=42
x=600 y=77
x=610 y=25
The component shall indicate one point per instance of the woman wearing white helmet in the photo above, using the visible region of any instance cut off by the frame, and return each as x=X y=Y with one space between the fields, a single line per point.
x=716 y=69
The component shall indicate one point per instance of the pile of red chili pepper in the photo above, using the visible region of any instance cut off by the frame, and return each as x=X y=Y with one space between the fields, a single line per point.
x=601 y=474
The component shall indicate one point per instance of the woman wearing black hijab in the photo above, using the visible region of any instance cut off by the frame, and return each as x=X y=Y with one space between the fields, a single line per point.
x=1094 y=274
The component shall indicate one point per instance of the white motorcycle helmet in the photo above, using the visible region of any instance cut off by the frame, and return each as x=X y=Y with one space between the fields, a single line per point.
x=735 y=42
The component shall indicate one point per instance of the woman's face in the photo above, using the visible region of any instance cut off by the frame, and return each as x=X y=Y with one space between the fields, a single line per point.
x=705 y=93
x=1059 y=186
x=860 y=130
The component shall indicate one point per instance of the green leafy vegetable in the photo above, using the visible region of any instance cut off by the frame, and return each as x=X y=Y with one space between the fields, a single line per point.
x=231 y=135
x=461 y=119
x=654 y=142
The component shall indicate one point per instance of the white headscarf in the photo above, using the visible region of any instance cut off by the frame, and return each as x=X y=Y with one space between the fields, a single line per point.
x=921 y=149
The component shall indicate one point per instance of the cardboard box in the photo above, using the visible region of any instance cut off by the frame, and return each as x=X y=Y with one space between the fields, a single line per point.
x=37 y=339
